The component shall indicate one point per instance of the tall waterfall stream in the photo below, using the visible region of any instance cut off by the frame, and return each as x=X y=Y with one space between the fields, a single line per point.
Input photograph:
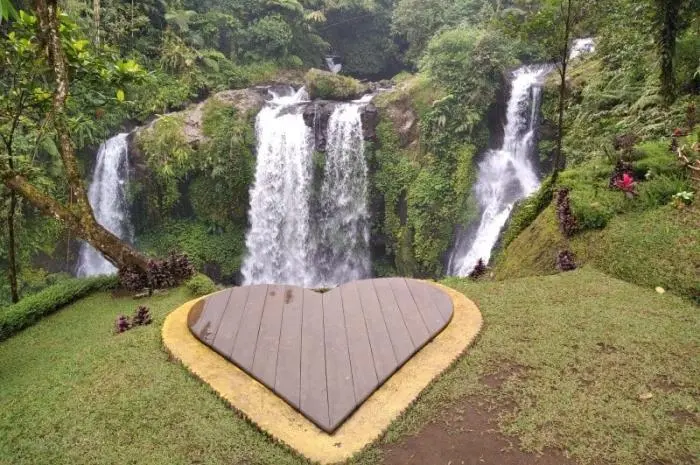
x=301 y=233
x=107 y=196
x=506 y=175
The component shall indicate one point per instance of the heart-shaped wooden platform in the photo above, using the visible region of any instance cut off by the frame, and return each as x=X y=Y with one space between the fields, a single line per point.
x=323 y=353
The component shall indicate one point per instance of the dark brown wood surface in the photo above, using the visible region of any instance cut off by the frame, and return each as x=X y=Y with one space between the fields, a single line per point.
x=323 y=353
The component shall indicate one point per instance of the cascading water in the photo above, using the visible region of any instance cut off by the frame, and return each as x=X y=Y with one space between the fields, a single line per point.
x=299 y=236
x=107 y=196
x=342 y=253
x=506 y=175
x=582 y=47
x=333 y=67
x=279 y=237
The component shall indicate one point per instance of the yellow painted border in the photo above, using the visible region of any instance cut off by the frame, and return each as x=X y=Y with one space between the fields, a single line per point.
x=270 y=413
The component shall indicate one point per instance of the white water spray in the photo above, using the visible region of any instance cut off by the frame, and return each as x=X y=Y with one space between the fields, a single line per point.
x=299 y=236
x=581 y=47
x=107 y=196
x=342 y=253
x=279 y=200
x=506 y=175
x=333 y=67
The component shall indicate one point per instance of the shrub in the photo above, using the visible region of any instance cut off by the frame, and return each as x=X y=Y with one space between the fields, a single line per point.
x=32 y=308
x=122 y=324
x=161 y=274
x=657 y=160
x=142 y=317
x=660 y=190
x=200 y=285
x=565 y=261
x=479 y=270
x=567 y=222
x=329 y=86
x=527 y=211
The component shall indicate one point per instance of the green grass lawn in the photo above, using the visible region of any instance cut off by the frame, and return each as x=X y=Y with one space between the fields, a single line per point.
x=586 y=346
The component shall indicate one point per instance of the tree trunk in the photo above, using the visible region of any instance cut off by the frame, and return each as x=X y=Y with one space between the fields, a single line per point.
x=116 y=251
x=12 y=248
x=96 y=19
x=78 y=217
x=667 y=23
x=559 y=160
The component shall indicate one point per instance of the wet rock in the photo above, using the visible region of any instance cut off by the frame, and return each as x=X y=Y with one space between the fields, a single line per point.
x=370 y=120
x=316 y=116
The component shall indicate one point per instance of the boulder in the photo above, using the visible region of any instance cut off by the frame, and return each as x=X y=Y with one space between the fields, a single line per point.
x=328 y=86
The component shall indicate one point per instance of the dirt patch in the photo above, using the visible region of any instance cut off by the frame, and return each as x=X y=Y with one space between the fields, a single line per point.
x=465 y=435
x=509 y=371
x=684 y=417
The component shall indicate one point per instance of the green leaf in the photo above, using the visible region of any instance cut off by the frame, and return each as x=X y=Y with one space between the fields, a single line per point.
x=49 y=146
x=120 y=95
x=79 y=45
x=7 y=11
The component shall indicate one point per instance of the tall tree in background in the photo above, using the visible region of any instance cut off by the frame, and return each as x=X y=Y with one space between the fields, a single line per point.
x=554 y=25
x=7 y=11
x=96 y=15
x=667 y=25
x=567 y=14
x=77 y=214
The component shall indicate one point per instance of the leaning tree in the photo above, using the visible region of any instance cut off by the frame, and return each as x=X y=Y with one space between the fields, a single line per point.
x=59 y=57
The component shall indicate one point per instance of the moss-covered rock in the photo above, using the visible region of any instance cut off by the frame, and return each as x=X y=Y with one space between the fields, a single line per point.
x=328 y=86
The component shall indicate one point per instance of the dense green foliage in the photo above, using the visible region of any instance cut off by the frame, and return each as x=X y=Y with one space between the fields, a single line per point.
x=200 y=285
x=421 y=177
x=217 y=252
x=31 y=309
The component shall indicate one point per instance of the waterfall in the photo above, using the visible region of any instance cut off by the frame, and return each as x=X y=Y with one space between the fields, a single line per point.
x=333 y=67
x=107 y=196
x=506 y=175
x=342 y=253
x=581 y=47
x=302 y=234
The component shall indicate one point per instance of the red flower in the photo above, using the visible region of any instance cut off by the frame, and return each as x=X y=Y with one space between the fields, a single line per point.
x=626 y=183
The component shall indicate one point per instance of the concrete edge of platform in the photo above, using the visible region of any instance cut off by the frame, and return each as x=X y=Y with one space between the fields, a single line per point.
x=275 y=417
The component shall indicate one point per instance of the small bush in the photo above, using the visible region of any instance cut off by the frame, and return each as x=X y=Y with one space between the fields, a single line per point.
x=122 y=324
x=142 y=316
x=31 y=309
x=161 y=274
x=568 y=224
x=660 y=190
x=566 y=261
x=527 y=211
x=200 y=285
x=329 y=86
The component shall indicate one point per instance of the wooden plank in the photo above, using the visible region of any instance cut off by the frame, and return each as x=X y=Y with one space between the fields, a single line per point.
x=382 y=351
x=208 y=322
x=244 y=346
x=398 y=332
x=265 y=359
x=313 y=396
x=364 y=375
x=288 y=380
x=426 y=305
x=230 y=321
x=341 y=395
x=409 y=310
x=443 y=302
